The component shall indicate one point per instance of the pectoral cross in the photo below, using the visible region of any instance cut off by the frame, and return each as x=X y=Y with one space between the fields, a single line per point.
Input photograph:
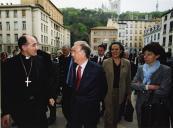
x=27 y=81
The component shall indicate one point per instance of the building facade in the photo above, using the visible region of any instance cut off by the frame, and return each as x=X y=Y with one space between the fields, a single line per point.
x=152 y=34
x=102 y=35
x=134 y=33
x=35 y=17
x=166 y=39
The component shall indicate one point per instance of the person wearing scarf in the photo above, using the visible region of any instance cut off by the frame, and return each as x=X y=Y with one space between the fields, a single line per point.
x=153 y=78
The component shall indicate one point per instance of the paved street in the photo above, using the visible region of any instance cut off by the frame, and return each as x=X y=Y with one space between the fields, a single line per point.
x=60 y=122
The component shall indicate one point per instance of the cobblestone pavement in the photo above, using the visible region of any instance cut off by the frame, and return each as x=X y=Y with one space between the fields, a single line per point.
x=60 y=122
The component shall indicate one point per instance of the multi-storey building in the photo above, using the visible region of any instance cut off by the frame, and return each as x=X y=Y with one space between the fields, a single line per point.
x=67 y=37
x=35 y=17
x=152 y=34
x=103 y=35
x=134 y=33
x=166 y=39
x=122 y=33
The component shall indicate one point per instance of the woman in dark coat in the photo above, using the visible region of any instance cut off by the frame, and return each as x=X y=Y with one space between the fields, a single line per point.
x=153 y=80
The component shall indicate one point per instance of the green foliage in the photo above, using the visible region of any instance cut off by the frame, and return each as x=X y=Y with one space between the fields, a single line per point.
x=80 y=21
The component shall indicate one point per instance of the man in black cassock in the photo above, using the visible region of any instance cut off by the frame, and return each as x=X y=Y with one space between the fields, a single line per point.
x=26 y=90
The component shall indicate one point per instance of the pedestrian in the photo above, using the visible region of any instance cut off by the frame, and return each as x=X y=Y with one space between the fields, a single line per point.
x=26 y=87
x=118 y=74
x=89 y=88
x=152 y=83
x=65 y=62
x=99 y=60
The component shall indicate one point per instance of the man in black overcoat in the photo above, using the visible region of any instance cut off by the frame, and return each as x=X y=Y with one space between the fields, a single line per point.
x=26 y=88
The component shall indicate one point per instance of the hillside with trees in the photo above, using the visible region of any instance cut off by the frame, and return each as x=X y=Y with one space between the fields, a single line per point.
x=79 y=21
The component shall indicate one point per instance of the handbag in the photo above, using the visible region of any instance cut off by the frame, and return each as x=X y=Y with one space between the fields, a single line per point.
x=154 y=115
x=128 y=111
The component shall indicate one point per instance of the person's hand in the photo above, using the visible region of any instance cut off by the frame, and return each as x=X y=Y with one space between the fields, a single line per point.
x=153 y=87
x=6 y=121
x=51 y=101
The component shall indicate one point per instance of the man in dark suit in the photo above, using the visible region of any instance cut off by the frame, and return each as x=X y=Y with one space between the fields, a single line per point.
x=101 y=55
x=99 y=60
x=90 y=87
x=64 y=63
x=26 y=87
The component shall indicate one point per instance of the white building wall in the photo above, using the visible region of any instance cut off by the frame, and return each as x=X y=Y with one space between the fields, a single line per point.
x=33 y=20
x=167 y=33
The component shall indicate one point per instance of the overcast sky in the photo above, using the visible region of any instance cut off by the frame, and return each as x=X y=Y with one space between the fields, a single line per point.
x=126 y=5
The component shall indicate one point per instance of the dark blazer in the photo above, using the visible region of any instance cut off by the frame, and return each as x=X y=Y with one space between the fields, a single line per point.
x=22 y=102
x=95 y=59
x=161 y=77
x=92 y=89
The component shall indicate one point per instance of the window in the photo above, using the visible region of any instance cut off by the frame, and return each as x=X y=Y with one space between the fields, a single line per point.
x=164 y=41
x=154 y=37
x=0 y=25
x=164 y=29
x=170 y=40
x=165 y=18
x=23 y=13
x=136 y=32
x=9 y=49
x=135 y=38
x=15 y=25
x=8 y=38
x=15 y=13
x=23 y=25
x=140 y=32
x=171 y=26
x=7 y=13
x=135 y=44
x=158 y=36
x=8 y=26
x=41 y=38
x=151 y=38
x=41 y=27
x=15 y=37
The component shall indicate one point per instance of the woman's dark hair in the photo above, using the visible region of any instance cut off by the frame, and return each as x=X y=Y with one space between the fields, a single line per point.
x=22 y=41
x=121 y=48
x=157 y=49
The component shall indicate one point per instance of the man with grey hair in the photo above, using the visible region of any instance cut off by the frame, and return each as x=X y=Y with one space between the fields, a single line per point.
x=89 y=88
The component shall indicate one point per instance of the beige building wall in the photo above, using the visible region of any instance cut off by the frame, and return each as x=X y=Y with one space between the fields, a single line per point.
x=102 y=35
x=49 y=7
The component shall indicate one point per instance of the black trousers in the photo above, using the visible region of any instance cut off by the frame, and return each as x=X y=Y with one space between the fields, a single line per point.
x=66 y=103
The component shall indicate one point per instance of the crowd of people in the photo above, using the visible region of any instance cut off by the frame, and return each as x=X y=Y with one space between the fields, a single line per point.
x=90 y=87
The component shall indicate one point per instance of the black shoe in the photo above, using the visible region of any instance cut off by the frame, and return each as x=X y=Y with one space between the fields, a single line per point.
x=51 y=121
